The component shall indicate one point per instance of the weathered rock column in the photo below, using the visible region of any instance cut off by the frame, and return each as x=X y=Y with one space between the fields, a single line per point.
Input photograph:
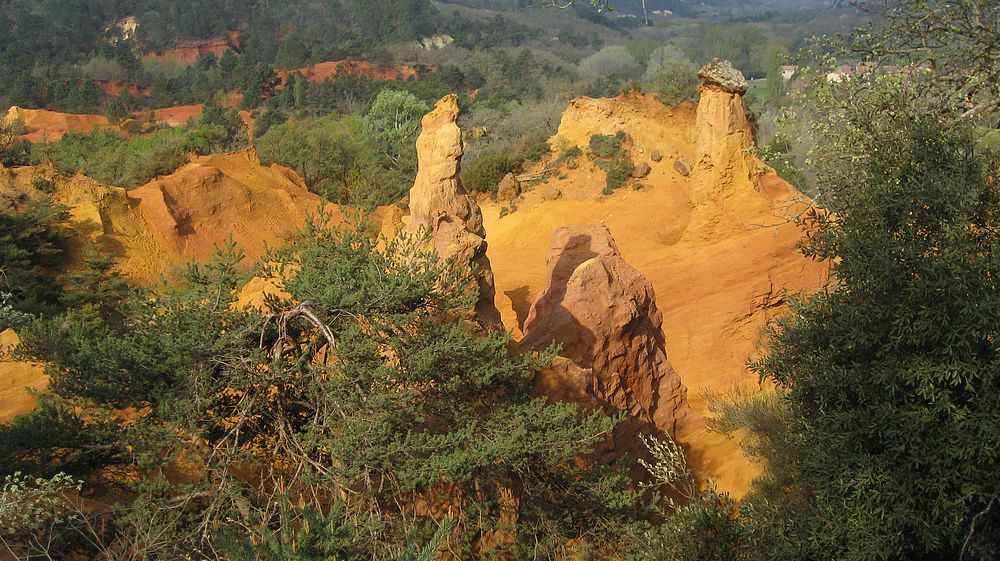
x=724 y=132
x=440 y=204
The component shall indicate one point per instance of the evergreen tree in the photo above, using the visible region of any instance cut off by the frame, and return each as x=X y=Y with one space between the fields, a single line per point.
x=33 y=240
x=362 y=388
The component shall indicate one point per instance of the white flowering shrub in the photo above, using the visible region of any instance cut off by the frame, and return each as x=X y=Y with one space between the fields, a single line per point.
x=668 y=468
x=9 y=315
x=29 y=504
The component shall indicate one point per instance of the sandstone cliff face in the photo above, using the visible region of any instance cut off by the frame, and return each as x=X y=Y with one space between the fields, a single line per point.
x=157 y=228
x=49 y=126
x=188 y=54
x=603 y=312
x=355 y=68
x=439 y=203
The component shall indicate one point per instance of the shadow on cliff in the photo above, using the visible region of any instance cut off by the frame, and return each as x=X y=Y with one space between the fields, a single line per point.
x=520 y=302
x=558 y=321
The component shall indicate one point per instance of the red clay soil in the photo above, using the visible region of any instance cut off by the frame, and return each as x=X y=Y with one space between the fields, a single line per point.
x=358 y=69
x=187 y=54
x=114 y=88
x=174 y=116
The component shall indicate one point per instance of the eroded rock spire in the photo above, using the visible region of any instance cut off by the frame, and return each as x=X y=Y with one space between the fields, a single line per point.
x=440 y=204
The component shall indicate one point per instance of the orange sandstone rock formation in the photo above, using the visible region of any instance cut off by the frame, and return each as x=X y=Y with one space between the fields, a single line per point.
x=49 y=126
x=175 y=219
x=114 y=88
x=603 y=313
x=725 y=161
x=439 y=203
x=355 y=68
x=718 y=270
x=188 y=53
x=223 y=197
x=175 y=116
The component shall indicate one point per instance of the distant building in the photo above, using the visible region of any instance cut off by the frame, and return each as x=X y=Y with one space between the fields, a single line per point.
x=837 y=76
x=843 y=72
x=788 y=70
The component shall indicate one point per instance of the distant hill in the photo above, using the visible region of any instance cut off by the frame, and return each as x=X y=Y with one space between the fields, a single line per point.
x=677 y=7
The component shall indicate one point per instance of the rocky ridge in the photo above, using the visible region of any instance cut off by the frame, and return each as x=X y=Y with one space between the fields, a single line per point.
x=718 y=248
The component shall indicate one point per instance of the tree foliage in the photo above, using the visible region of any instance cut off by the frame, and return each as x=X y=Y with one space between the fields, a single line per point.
x=392 y=124
x=891 y=375
x=33 y=241
x=954 y=42
x=361 y=389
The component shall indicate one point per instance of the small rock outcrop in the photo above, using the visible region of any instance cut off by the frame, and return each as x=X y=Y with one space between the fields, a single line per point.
x=551 y=194
x=509 y=187
x=603 y=312
x=641 y=170
x=439 y=203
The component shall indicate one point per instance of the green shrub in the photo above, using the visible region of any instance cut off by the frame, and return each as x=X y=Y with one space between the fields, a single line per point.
x=33 y=241
x=608 y=153
x=13 y=149
x=129 y=163
x=43 y=185
x=605 y=145
x=336 y=159
x=485 y=173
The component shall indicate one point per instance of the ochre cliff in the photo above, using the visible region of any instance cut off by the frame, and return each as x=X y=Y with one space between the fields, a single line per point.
x=187 y=54
x=182 y=217
x=725 y=163
x=355 y=68
x=718 y=270
x=49 y=126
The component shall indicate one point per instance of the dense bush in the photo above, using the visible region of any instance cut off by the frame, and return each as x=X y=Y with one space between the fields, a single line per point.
x=671 y=75
x=339 y=160
x=34 y=238
x=128 y=163
x=483 y=175
x=606 y=146
x=14 y=151
x=363 y=383
x=611 y=60
x=392 y=124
